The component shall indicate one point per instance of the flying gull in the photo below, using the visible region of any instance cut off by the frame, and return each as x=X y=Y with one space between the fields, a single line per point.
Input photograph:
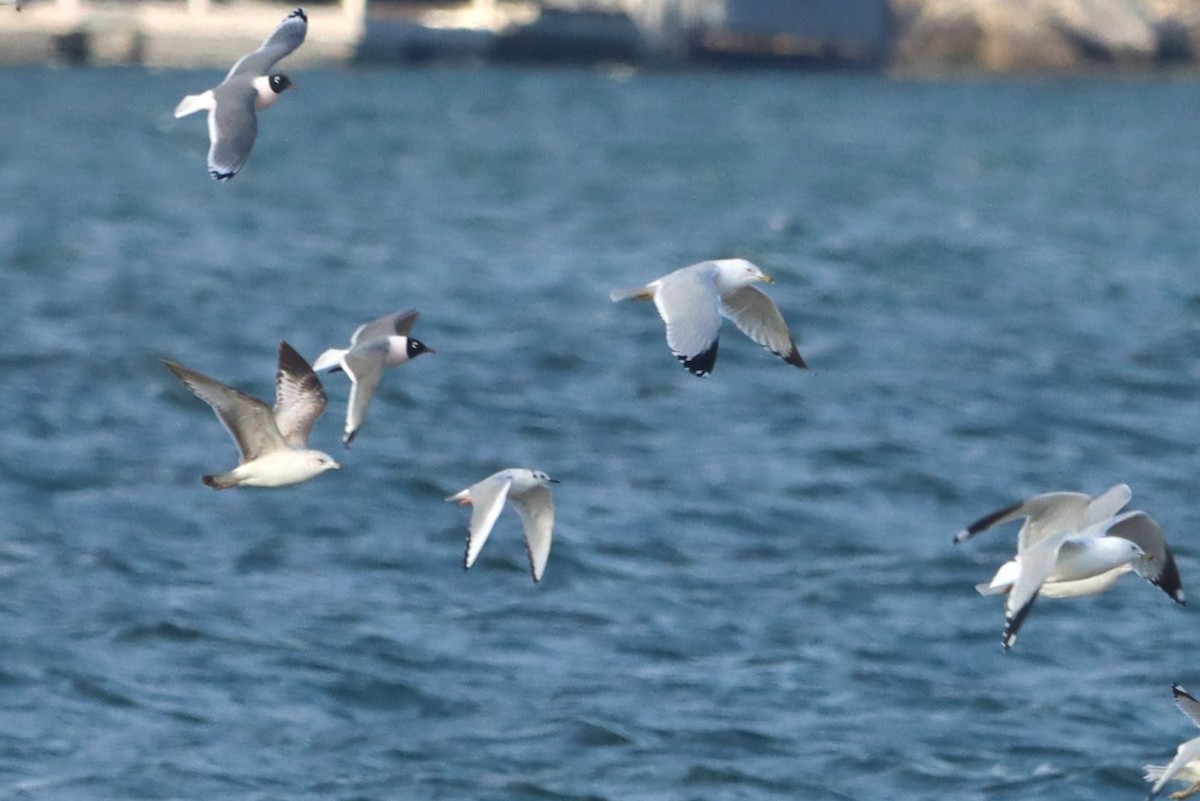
x=1186 y=764
x=692 y=300
x=529 y=494
x=272 y=442
x=377 y=345
x=231 y=106
x=1072 y=545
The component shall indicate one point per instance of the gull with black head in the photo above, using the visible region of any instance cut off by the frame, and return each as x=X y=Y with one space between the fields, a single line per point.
x=249 y=87
x=379 y=344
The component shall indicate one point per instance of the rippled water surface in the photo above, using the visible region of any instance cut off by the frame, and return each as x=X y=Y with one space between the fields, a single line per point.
x=752 y=592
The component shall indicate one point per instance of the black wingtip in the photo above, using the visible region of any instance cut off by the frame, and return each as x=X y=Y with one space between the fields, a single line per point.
x=985 y=522
x=1013 y=625
x=794 y=358
x=221 y=176
x=349 y=438
x=702 y=363
x=1169 y=581
x=293 y=362
x=298 y=12
x=1178 y=692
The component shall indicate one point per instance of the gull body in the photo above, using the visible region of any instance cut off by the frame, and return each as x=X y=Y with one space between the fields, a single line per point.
x=692 y=300
x=529 y=493
x=1072 y=545
x=272 y=442
x=248 y=88
x=375 y=346
x=1185 y=766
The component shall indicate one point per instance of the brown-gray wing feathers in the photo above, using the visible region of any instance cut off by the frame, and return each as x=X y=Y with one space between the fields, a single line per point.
x=250 y=421
x=299 y=397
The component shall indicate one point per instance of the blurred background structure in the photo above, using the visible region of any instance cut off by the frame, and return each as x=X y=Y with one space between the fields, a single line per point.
x=908 y=35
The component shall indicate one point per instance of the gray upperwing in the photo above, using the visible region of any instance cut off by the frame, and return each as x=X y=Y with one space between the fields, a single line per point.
x=250 y=421
x=688 y=303
x=753 y=311
x=232 y=129
x=487 y=501
x=1158 y=565
x=536 y=508
x=1187 y=703
x=299 y=397
x=1036 y=565
x=398 y=324
x=287 y=37
x=1047 y=513
x=364 y=365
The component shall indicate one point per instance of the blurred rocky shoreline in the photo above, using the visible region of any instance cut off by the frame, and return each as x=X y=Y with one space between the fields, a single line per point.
x=914 y=37
x=1044 y=35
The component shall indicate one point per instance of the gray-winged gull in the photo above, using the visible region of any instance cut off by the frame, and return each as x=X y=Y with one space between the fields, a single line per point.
x=248 y=88
x=272 y=442
x=1185 y=766
x=530 y=495
x=1072 y=545
x=379 y=344
x=692 y=300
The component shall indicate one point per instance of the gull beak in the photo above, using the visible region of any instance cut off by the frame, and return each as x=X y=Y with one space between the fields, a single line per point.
x=554 y=481
x=766 y=279
x=337 y=466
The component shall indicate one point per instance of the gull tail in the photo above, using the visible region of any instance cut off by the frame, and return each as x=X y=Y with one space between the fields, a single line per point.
x=219 y=481
x=331 y=358
x=637 y=293
x=461 y=497
x=193 y=103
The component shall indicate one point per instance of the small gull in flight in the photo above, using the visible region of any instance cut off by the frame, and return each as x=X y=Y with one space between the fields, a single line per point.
x=692 y=300
x=374 y=346
x=231 y=106
x=529 y=494
x=272 y=442
x=1072 y=545
x=1186 y=764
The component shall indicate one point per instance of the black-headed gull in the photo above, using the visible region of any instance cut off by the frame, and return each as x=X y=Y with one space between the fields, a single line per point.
x=247 y=89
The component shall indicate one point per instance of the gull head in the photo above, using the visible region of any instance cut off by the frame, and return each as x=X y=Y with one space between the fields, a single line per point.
x=415 y=347
x=320 y=461
x=541 y=478
x=733 y=274
x=279 y=83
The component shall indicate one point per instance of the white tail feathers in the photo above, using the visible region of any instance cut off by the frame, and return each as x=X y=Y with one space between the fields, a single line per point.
x=637 y=293
x=193 y=103
x=1154 y=772
x=328 y=359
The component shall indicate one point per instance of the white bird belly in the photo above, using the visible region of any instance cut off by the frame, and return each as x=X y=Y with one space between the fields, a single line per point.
x=1089 y=558
x=277 y=469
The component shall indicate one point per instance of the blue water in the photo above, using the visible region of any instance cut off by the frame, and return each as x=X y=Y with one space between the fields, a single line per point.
x=752 y=592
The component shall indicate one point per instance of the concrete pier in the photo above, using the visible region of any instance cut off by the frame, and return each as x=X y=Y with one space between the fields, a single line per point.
x=195 y=33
